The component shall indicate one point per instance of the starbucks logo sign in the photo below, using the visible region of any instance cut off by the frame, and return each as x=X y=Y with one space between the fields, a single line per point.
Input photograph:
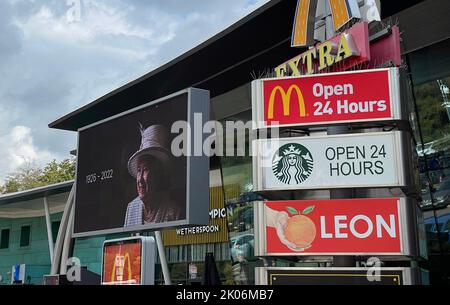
x=292 y=163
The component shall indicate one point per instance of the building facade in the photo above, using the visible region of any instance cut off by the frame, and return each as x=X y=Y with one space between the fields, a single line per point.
x=225 y=65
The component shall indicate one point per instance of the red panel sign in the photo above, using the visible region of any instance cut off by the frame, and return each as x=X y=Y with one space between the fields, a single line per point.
x=370 y=95
x=333 y=226
x=360 y=36
x=386 y=50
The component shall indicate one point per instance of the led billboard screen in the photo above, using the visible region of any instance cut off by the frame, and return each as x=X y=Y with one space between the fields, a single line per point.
x=130 y=179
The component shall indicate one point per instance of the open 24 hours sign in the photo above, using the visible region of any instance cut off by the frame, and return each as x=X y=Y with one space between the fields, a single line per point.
x=368 y=160
x=380 y=226
x=332 y=98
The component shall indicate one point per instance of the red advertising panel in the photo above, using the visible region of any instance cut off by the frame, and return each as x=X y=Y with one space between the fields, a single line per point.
x=323 y=227
x=386 y=50
x=359 y=41
x=359 y=96
x=122 y=263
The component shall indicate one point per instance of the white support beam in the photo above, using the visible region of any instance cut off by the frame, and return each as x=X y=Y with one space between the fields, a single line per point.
x=61 y=234
x=162 y=258
x=49 y=229
x=67 y=241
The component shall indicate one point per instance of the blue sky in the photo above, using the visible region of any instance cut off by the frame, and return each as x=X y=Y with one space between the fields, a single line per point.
x=58 y=55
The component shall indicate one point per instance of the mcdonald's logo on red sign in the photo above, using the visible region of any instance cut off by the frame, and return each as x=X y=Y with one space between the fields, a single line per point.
x=278 y=93
x=328 y=98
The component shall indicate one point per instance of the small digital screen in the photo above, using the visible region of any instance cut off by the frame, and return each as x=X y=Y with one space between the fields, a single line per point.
x=122 y=263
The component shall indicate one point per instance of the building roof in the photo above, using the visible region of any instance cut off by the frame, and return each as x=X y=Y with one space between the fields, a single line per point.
x=254 y=44
x=30 y=203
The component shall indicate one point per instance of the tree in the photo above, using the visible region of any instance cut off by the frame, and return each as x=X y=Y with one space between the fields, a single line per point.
x=29 y=177
x=56 y=172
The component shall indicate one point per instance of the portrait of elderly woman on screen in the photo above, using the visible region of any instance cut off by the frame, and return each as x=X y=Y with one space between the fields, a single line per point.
x=151 y=167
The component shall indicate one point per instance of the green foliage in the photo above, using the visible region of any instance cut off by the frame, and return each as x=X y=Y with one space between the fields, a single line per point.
x=30 y=177
x=226 y=273
x=56 y=172
x=433 y=116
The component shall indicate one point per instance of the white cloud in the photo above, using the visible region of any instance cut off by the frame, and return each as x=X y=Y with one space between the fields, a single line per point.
x=99 y=21
x=18 y=150
x=50 y=66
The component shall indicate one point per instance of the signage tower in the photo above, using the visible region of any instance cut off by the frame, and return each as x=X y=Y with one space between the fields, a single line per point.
x=347 y=188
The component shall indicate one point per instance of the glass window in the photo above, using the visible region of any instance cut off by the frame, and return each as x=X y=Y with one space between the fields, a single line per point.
x=233 y=111
x=25 y=233
x=55 y=229
x=433 y=102
x=430 y=69
x=4 y=239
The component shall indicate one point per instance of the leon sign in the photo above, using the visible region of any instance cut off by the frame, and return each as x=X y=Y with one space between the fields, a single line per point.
x=336 y=227
x=333 y=98
x=327 y=162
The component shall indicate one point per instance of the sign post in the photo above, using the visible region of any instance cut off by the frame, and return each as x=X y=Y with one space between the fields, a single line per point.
x=163 y=259
x=342 y=163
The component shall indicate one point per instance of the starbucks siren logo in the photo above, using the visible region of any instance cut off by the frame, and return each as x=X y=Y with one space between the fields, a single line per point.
x=292 y=163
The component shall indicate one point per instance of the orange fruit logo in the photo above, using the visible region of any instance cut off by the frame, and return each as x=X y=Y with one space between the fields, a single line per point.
x=300 y=229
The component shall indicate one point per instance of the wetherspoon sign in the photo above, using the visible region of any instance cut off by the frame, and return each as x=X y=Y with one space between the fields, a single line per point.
x=358 y=96
x=327 y=162
x=379 y=226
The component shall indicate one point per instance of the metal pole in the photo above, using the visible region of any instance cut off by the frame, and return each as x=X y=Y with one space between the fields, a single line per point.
x=188 y=252
x=61 y=234
x=49 y=229
x=341 y=261
x=67 y=241
x=162 y=258
x=338 y=261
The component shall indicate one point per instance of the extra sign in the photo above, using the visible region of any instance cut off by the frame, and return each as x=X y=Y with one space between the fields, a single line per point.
x=368 y=160
x=332 y=98
x=335 y=227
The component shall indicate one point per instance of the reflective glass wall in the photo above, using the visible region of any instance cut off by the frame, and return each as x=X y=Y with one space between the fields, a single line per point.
x=232 y=171
x=430 y=71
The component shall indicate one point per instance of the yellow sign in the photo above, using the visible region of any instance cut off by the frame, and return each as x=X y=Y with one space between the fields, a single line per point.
x=215 y=232
x=303 y=32
x=286 y=99
x=340 y=13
